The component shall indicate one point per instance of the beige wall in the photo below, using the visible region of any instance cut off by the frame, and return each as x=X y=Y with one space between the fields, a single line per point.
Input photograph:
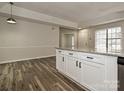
x=90 y=35
x=27 y=40
x=64 y=31
x=86 y=39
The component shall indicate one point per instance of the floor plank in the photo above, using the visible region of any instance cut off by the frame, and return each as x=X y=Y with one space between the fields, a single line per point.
x=34 y=75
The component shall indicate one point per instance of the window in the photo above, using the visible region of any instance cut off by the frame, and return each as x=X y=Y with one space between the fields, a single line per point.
x=108 y=40
x=101 y=40
x=114 y=40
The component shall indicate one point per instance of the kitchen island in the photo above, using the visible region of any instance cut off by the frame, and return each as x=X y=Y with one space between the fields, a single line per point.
x=89 y=69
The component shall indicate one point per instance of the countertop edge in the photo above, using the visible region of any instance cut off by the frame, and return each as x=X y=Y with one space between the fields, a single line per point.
x=92 y=52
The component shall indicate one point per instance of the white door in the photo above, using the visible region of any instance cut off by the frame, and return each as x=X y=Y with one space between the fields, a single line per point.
x=93 y=75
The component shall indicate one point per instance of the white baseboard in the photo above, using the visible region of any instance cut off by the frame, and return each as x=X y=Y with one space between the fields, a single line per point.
x=10 y=61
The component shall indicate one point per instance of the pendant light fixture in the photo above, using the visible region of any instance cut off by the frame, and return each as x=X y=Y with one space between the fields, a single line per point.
x=11 y=20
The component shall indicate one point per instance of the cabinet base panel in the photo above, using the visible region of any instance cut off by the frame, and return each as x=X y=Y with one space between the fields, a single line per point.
x=83 y=87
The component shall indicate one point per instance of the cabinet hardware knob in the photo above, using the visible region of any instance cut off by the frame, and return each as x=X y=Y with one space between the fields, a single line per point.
x=70 y=53
x=76 y=63
x=79 y=64
x=63 y=59
x=90 y=57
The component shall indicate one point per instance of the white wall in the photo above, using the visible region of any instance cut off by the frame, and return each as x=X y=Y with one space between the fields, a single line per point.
x=83 y=41
x=27 y=40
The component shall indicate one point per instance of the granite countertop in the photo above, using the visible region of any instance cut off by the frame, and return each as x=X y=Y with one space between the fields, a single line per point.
x=92 y=51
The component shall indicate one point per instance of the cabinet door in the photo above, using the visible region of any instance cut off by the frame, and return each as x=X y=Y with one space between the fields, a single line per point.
x=71 y=67
x=93 y=75
x=78 y=69
x=60 y=62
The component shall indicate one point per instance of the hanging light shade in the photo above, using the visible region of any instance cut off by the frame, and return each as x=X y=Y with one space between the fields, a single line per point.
x=11 y=20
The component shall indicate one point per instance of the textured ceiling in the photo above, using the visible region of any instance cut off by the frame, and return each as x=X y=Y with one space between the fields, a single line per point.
x=77 y=12
x=2 y=4
x=80 y=12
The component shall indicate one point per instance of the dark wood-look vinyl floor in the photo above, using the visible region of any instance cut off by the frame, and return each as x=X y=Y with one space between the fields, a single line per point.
x=34 y=75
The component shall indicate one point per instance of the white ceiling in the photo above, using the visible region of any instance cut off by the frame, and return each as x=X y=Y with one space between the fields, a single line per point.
x=2 y=4
x=80 y=12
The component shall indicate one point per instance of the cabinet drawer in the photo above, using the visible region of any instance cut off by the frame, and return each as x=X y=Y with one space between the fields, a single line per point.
x=58 y=51
x=100 y=59
x=72 y=54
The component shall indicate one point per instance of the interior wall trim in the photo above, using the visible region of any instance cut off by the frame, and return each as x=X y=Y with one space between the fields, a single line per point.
x=19 y=60
x=30 y=47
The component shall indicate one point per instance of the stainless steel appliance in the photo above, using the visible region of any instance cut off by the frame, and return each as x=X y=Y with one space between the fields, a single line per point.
x=121 y=73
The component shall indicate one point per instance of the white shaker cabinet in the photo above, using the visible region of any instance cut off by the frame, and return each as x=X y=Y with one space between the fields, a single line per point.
x=70 y=67
x=73 y=68
x=79 y=75
x=93 y=75
x=60 y=61
x=71 y=64
x=94 y=71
